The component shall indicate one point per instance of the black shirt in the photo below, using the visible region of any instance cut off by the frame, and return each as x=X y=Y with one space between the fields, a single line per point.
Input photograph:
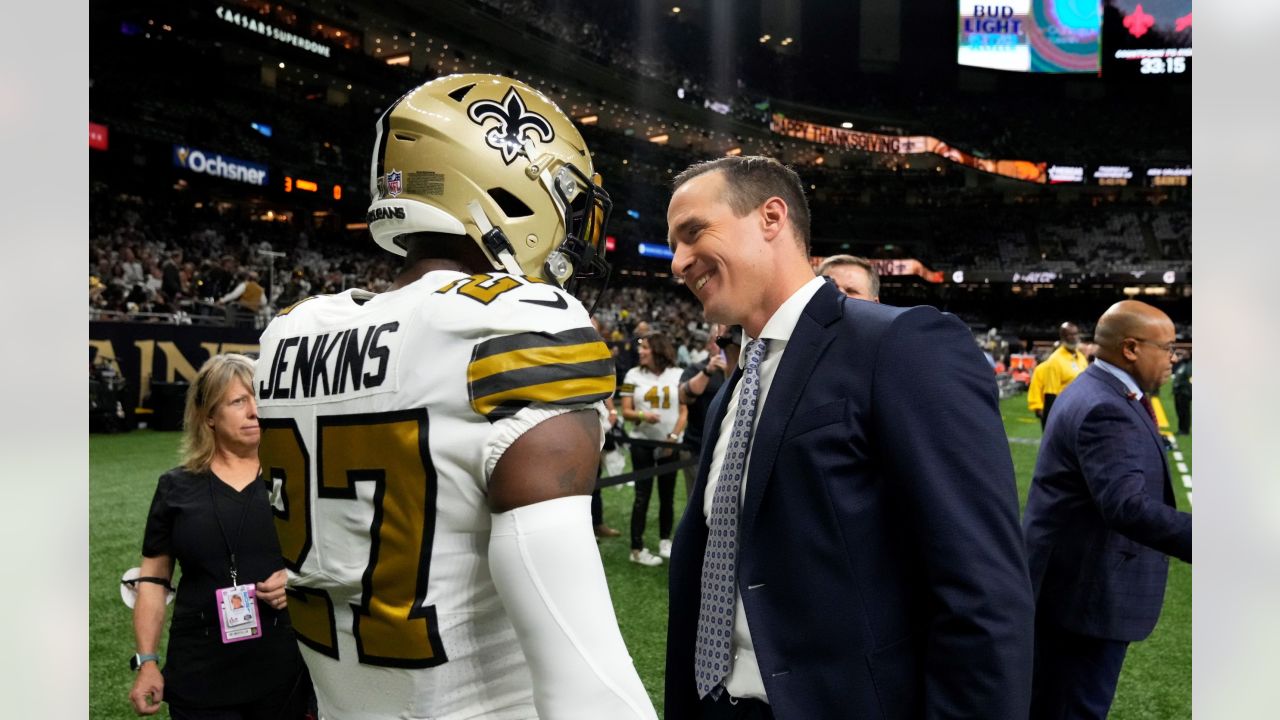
x=693 y=432
x=200 y=670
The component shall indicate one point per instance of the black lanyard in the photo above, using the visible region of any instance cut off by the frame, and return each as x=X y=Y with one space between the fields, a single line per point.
x=244 y=511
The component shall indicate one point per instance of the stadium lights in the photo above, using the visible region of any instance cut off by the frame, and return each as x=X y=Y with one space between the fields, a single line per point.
x=765 y=38
x=846 y=125
x=733 y=152
x=675 y=10
x=588 y=119
x=337 y=192
x=660 y=139
x=787 y=41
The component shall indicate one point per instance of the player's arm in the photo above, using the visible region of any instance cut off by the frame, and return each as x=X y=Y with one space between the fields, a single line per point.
x=556 y=458
x=148 y=623
x=546 y=568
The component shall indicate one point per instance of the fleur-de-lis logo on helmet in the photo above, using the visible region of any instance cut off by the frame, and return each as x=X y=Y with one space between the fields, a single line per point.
x=515 y=121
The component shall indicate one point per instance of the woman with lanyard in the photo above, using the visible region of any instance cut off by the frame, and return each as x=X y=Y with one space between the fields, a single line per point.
x=232 y=651
x=651 y=399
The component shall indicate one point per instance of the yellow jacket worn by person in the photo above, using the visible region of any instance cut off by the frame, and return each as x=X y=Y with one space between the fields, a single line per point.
x=1053 y=375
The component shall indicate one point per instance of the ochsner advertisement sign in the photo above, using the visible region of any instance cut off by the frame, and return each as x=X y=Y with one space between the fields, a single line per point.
x=220 y=166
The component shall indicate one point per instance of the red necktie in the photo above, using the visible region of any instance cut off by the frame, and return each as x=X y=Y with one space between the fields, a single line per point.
x=1145 y=400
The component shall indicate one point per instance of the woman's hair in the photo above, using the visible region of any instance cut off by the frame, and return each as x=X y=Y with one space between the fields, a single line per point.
x=212 y=382
x=663 y=352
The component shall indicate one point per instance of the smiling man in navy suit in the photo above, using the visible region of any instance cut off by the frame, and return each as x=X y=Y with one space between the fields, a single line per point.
x=851 y=548
x=1101 y=518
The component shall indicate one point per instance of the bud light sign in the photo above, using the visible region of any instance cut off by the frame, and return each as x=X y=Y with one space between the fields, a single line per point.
x=1052 y=36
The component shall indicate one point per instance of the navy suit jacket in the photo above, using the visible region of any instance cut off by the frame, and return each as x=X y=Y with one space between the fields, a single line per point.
x=1100 y=516
x=880 y=560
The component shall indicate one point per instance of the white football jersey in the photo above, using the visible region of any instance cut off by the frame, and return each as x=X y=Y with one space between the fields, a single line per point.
x=654 y=393
x=383 y=416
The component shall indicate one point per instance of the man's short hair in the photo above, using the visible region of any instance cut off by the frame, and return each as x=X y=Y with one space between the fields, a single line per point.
x=863 y=263
x=751 y=180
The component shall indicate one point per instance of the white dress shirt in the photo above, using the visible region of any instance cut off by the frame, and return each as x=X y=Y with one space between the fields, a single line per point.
x=1120 y=375
x=744 y=678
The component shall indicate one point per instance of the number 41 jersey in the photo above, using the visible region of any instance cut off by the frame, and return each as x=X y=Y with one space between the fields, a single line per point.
x=382 y=417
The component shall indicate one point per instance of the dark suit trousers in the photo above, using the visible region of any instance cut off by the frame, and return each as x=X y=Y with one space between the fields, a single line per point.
x=643 y=458
x=1075 y=675
x=1048 y=403
x=1182 y=401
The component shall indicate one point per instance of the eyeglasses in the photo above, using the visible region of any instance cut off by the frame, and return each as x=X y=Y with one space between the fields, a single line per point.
x=1167 y=347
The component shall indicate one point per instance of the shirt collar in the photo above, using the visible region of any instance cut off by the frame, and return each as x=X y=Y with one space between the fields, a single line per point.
x=1121 y=375
x=783 y=321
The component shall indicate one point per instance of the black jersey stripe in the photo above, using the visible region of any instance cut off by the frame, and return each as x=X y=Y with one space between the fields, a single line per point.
x=539 y=375
x=529 y=340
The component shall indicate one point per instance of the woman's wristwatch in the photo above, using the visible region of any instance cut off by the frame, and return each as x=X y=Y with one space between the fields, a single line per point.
x=135 y=662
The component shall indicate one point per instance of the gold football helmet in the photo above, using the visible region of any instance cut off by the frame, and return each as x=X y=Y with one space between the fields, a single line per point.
x=491 y=158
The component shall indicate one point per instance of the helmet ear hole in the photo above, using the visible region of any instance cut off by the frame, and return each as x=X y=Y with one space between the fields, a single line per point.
x=512 y=206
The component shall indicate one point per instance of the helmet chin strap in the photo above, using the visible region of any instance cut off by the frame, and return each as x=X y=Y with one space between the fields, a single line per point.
x=494 y=239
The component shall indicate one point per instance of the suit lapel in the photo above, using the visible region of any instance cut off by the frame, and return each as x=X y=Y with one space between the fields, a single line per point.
x=1135 y=407
x=808 y=341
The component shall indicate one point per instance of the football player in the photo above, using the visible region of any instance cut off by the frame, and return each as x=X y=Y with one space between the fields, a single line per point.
x=432 y=449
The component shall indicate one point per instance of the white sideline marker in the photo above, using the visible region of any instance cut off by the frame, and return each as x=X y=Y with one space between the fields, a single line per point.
x=1182 y=468
x=1186 y=481
x=1177 y=456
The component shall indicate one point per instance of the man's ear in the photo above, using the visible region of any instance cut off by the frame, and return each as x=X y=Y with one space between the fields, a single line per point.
x=1129 y=350
x=773 y=217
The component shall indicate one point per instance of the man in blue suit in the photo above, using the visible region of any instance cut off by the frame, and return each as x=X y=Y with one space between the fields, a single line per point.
x=851 y=548
x=1101 y=517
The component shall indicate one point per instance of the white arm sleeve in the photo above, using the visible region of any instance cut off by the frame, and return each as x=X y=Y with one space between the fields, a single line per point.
x=546 y=567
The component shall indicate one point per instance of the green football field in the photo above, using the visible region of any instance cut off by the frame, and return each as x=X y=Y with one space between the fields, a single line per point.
x=1155 y=683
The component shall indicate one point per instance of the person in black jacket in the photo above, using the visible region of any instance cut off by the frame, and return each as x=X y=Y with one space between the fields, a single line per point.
x=212 y=516
x=700 y=383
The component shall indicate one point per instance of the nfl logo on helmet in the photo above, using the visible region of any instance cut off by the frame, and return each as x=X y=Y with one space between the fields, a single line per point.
x=393 y=183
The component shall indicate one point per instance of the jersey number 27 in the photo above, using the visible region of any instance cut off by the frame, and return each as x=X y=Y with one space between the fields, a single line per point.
x=391 y=625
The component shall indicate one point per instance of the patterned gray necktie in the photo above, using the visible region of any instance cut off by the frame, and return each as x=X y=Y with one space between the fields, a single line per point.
x=719 y=564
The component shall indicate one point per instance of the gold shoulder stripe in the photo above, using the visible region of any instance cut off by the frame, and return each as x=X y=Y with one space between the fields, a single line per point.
x=534 y=357
x=627 y=388
x=563 y=392
x=538 y=375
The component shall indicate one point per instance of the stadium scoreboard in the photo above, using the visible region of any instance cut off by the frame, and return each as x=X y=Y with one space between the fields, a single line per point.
x=1134 y=38
x=1148 y=38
